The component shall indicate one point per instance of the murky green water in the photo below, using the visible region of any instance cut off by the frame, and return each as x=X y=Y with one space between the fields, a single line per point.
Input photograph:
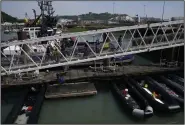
x=102 y=108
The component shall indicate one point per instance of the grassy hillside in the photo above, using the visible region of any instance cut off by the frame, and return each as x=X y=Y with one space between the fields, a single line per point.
x=91 y=16
x=8 y=18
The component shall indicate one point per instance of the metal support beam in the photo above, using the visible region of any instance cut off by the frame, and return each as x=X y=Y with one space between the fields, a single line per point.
x=68 y=35
x=145 y=44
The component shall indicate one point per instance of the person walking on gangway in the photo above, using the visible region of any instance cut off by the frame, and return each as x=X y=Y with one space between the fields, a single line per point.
x=60 y=78
x=120 y=41
x=56 y=55
x=86 y=50
x=63 y=46
x=48 y=52
x=97 y=43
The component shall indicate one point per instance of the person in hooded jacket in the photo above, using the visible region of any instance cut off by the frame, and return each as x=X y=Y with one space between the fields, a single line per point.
x=120 y=41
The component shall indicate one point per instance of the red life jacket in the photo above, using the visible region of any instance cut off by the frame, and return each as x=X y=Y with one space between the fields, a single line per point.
x=29 y=108
x=124 y=92
x=73 y=38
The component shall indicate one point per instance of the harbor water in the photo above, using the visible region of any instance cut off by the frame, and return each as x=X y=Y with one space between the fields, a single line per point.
x=102 y=108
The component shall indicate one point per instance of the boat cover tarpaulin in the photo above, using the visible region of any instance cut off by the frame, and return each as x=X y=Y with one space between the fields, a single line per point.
x=123 y=58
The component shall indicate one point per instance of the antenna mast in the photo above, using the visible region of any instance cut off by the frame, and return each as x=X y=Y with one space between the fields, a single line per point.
x=46 y=14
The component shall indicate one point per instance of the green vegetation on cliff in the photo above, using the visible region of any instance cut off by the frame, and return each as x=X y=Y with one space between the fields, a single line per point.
x=8 y=18
x=91 y=16
x=77 y=29
x=96 y=16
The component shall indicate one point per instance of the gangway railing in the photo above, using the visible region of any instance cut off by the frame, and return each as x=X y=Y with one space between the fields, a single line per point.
x=130 y=44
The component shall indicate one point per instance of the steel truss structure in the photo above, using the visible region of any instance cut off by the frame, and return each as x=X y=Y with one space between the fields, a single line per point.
x=135 y=39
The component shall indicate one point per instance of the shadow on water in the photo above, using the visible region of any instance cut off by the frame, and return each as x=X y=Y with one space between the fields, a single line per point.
x=11 y=94
x=103 y=86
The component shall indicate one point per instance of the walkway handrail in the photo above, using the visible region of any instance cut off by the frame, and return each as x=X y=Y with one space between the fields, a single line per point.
x=91 y=32
x=133 y=45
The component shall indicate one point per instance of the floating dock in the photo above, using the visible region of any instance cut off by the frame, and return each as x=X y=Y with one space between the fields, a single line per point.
x=70 y=90
x=83 y=74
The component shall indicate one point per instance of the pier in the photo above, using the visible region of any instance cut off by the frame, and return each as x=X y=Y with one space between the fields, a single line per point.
x=11 y=27
x=70 y=90
x=83 y=74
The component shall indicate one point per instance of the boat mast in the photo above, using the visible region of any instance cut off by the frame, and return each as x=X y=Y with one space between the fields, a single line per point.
x=46 y=14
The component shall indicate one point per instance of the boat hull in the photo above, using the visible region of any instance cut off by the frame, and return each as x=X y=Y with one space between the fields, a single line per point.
x=159 y=107
x=146 y=112
x=174 y=87
x=33 y=118
x=173 y=105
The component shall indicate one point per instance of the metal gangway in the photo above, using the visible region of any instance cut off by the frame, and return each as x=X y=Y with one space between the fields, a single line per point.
x=150 y=37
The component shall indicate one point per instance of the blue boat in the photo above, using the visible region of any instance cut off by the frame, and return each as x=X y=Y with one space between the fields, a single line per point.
x=127 y=58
